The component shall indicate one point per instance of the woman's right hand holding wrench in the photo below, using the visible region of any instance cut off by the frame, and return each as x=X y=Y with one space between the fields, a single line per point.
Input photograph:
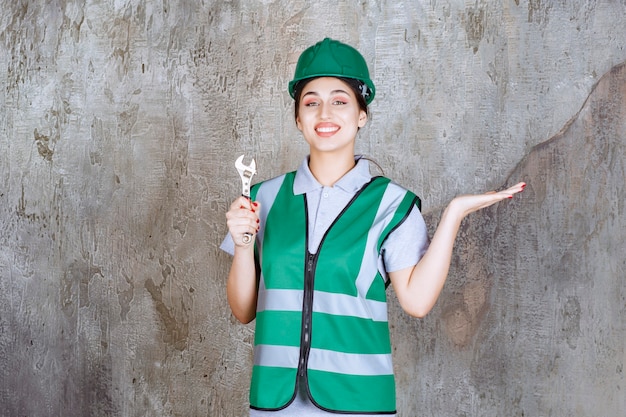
x=243 y=220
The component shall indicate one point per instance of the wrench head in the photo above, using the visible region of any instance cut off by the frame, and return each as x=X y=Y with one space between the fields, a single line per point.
x=242 y=168
x=245 y=172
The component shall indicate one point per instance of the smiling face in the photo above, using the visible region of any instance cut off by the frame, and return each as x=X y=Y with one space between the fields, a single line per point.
x=329 y=116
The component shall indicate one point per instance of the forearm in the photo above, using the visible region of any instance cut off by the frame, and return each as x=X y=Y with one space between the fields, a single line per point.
x=241 y=287
x=419 y=287
x=420 y=291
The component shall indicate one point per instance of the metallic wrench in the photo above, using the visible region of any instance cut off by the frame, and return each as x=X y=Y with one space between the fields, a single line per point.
x=245 y=172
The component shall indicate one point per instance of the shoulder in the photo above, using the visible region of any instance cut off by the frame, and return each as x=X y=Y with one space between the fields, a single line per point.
x=266 y=191
x=272 y=182
x=397 y=190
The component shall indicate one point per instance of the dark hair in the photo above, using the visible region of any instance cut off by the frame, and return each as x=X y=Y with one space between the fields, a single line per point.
x=355 y=85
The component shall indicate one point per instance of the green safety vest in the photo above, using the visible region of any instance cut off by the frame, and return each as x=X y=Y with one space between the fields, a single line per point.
x=324 y=316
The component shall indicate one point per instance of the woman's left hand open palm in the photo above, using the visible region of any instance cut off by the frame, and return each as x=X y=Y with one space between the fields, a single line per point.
x=467 y=204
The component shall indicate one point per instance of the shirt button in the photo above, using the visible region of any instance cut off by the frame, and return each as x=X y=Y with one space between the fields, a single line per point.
x=325 y=195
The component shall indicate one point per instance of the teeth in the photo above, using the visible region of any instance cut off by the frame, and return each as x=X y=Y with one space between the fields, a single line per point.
x=326 y=129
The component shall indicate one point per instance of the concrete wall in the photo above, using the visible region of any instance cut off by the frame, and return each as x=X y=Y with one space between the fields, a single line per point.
x=120 y=124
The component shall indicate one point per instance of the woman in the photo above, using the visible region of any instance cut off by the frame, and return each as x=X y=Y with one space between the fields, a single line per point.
x=329 y=239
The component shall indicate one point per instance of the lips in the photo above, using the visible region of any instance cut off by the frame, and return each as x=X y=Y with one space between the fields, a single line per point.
x=326 y=129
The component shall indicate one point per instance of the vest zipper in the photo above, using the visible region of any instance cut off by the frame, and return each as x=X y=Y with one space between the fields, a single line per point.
x=309 y=277
x=307 y=313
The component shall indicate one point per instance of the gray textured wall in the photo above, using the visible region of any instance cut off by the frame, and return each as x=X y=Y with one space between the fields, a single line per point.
x=119 y=127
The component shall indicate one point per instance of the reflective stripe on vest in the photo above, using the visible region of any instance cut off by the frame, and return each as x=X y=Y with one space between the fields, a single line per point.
x=332 y=325
x=323 y=360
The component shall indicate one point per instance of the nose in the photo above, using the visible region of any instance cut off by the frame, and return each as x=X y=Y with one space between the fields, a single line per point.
x=324 y=111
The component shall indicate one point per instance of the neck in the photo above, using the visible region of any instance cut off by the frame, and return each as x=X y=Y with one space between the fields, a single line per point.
x=328 y=169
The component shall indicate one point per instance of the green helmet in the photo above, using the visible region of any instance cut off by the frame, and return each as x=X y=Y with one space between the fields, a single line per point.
x=331 y=58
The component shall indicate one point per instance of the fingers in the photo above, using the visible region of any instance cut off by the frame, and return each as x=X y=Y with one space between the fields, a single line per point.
x=467 y=204
x=517 y=188
x=242 y=218
x=241 y=202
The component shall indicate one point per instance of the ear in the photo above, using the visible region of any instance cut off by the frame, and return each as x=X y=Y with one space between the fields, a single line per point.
x=362 y=118
x=298 y=124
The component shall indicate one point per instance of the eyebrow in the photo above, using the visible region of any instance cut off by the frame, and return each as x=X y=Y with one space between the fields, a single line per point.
x=315 y=93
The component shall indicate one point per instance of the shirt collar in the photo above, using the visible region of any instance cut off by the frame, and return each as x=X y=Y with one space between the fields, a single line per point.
x=351 y=182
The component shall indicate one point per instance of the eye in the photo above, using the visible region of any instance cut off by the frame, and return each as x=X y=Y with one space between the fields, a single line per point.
x=340 y=100
x=311 y=103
